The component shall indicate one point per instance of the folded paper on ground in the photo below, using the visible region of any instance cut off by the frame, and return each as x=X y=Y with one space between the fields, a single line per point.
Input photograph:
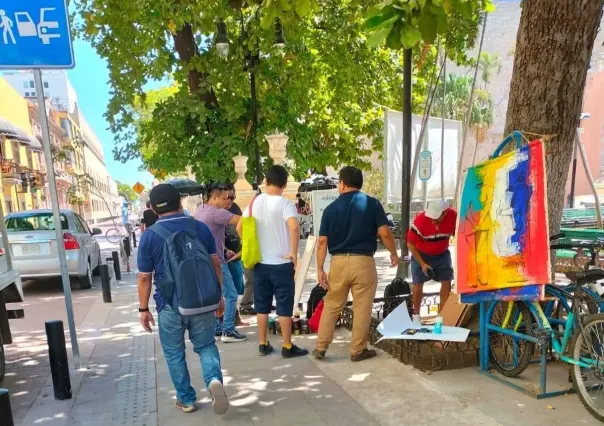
x=398 y=326
x=502 y=234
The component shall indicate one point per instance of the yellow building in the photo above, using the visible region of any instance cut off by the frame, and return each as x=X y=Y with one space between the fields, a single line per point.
x=20 y=153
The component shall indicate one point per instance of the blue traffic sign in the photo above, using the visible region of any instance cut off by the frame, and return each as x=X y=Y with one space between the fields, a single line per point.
x=35 y=34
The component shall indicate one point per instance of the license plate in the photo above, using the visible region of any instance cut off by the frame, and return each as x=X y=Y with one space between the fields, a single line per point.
x=30 y=249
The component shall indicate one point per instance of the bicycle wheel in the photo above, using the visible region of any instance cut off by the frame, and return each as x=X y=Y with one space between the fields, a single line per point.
x=509 y=355
x=588 y=346
x=113 y=236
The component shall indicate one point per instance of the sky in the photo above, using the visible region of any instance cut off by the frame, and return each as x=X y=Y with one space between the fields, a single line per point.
x=90 y=80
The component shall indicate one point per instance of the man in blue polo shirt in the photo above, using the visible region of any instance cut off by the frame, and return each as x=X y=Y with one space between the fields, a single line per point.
x=349 y=229
x=165 y=201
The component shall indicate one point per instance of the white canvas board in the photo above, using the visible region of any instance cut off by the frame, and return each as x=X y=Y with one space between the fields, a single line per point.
x=393 y=156
x=399 y=321
x=302 y=268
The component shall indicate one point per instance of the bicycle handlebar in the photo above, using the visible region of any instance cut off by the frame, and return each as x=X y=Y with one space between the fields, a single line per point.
x=557 y=236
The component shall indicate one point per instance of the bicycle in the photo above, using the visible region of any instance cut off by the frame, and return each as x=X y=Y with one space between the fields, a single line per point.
x=114 y=236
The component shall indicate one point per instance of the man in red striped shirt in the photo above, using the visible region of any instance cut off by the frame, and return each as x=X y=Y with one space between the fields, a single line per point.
x=428 y=241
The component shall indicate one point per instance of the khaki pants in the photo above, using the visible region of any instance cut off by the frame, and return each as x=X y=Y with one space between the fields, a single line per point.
x=356 y=273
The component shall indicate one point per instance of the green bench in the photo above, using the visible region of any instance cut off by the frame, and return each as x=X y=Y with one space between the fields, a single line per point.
x=565 y=258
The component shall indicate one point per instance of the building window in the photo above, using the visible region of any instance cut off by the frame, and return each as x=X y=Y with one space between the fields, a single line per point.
x=26 y=84
x=27 y=94
x=31 y=84
x=46 y=84
x=33 y=94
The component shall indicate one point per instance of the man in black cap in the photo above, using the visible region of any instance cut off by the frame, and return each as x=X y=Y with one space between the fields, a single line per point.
x=166 y=202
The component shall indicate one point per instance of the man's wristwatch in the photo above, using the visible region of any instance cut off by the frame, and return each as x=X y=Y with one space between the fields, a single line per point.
x=141 y=310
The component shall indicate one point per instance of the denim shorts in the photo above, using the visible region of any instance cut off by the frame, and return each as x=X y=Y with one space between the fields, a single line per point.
x=441 y=265
x=277 y=281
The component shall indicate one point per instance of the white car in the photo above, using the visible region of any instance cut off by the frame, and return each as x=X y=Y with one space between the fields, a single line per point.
x=33 y=245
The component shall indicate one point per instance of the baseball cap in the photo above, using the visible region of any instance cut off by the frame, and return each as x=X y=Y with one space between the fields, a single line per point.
x=436 y=208
x=164 y=198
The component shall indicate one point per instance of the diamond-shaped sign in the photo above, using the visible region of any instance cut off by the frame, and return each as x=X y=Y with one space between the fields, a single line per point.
x=138 y=188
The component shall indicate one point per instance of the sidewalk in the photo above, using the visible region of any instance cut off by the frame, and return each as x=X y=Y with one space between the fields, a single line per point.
x=124 y=381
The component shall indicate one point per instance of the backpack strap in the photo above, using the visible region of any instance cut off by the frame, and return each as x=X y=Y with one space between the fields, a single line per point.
x=160 y=230
x=251 y=206
x=192 y=227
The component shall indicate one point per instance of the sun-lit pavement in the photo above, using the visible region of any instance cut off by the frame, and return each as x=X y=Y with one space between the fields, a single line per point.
x=124 y=378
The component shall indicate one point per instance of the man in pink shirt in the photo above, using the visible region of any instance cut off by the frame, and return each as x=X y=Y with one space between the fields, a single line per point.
x=216 y=217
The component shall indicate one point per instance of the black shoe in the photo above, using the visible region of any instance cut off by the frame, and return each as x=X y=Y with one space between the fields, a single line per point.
x=265 y=350
x=318 y=354
x=366 y=354
x=293 y=352
x=247 y=311
x=218 y=333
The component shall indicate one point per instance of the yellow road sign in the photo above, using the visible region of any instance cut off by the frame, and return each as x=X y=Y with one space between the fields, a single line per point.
x=138 y=188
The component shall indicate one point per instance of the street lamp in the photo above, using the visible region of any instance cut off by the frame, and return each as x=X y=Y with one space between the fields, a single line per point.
x=222 y=39
x=251 y=60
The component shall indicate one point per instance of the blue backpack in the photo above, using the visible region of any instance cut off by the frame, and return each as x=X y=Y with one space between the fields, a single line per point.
x=190 y=283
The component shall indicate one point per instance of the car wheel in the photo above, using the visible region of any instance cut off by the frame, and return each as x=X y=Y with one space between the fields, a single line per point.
x=96 y=271
x=86 y=281
x=2 y=361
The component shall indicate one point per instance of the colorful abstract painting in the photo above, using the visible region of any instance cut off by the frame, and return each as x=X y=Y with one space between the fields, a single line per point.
x=502 y=235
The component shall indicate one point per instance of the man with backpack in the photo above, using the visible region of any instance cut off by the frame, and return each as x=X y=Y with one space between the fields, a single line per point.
x=278 y=235
x=216 y=217
x=179 y=253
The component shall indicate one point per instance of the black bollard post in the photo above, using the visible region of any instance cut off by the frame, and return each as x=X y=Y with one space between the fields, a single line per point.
x=127 y=247
x=116 y=265
x=6 y=413
x=57 y=354
x=134 y=239
x=105 y=282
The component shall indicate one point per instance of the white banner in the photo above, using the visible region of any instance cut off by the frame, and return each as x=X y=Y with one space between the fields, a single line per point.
x=393 y=156
x=319 y=201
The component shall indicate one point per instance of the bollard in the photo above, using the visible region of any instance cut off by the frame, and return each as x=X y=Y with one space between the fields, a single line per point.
x=127 y=247
x=105 y=282
x=6 y=415
x=57 y=354
x=134 y=239
x=116 y=265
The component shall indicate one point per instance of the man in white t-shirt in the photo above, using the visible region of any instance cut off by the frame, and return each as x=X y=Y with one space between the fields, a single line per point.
x=278 y=232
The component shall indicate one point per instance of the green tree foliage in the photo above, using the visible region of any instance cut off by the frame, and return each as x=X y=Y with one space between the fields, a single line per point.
x=124 y=190
x=489 y=65
x=325 y=90
x=457 y=98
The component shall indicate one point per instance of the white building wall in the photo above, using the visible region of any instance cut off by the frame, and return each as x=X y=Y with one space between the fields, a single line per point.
x=56 y=87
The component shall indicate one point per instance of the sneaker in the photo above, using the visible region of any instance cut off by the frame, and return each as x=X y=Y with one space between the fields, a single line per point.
x=417 y=320
x=366 y=354
x=318 y=354
x=187 y=408
x=265 y=350
x=220 y=401
x=247 y=311
x=293 y=352
x=233 y=336
x=218 y=334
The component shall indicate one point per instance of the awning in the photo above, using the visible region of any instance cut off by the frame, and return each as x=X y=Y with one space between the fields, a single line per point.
x=35 y=143
x=13 y=132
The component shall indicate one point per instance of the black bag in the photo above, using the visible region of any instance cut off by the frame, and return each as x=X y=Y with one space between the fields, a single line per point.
x=398 y=287
x=316 y=295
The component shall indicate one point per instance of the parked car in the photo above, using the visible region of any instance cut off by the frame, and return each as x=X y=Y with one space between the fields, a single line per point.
x=33 y=245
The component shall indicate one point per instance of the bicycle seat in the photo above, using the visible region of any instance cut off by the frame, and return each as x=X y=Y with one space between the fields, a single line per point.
x=584 y=277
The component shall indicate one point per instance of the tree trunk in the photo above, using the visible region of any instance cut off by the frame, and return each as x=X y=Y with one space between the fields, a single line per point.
x=186 y=47
x=553 y=50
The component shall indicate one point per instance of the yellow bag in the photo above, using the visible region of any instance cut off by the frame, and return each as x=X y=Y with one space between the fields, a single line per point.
x=250 y=246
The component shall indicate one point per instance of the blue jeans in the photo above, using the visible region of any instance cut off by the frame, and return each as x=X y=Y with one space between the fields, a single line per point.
x=230 y=301
x=172 y=328
x=236 y=268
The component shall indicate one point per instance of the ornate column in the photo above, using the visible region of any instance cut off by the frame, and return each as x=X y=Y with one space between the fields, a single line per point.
x=277 y=144
x=243 y=188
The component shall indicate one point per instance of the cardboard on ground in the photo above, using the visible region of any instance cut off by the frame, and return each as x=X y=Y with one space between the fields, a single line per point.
x=399 y=321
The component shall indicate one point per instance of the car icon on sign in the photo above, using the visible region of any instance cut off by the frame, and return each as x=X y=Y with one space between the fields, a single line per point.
x=45 y=25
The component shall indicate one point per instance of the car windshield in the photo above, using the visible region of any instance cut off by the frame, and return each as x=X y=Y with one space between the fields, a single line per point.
x=33 y=222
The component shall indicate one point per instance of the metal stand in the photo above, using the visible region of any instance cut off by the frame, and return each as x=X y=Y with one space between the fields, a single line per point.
x=59 y=365
x=541 y=339
x=134 y=239
x=105 y=282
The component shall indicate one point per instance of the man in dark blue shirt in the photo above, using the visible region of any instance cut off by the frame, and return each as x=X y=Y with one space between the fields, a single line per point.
x=165 y=201
x=349 y=229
